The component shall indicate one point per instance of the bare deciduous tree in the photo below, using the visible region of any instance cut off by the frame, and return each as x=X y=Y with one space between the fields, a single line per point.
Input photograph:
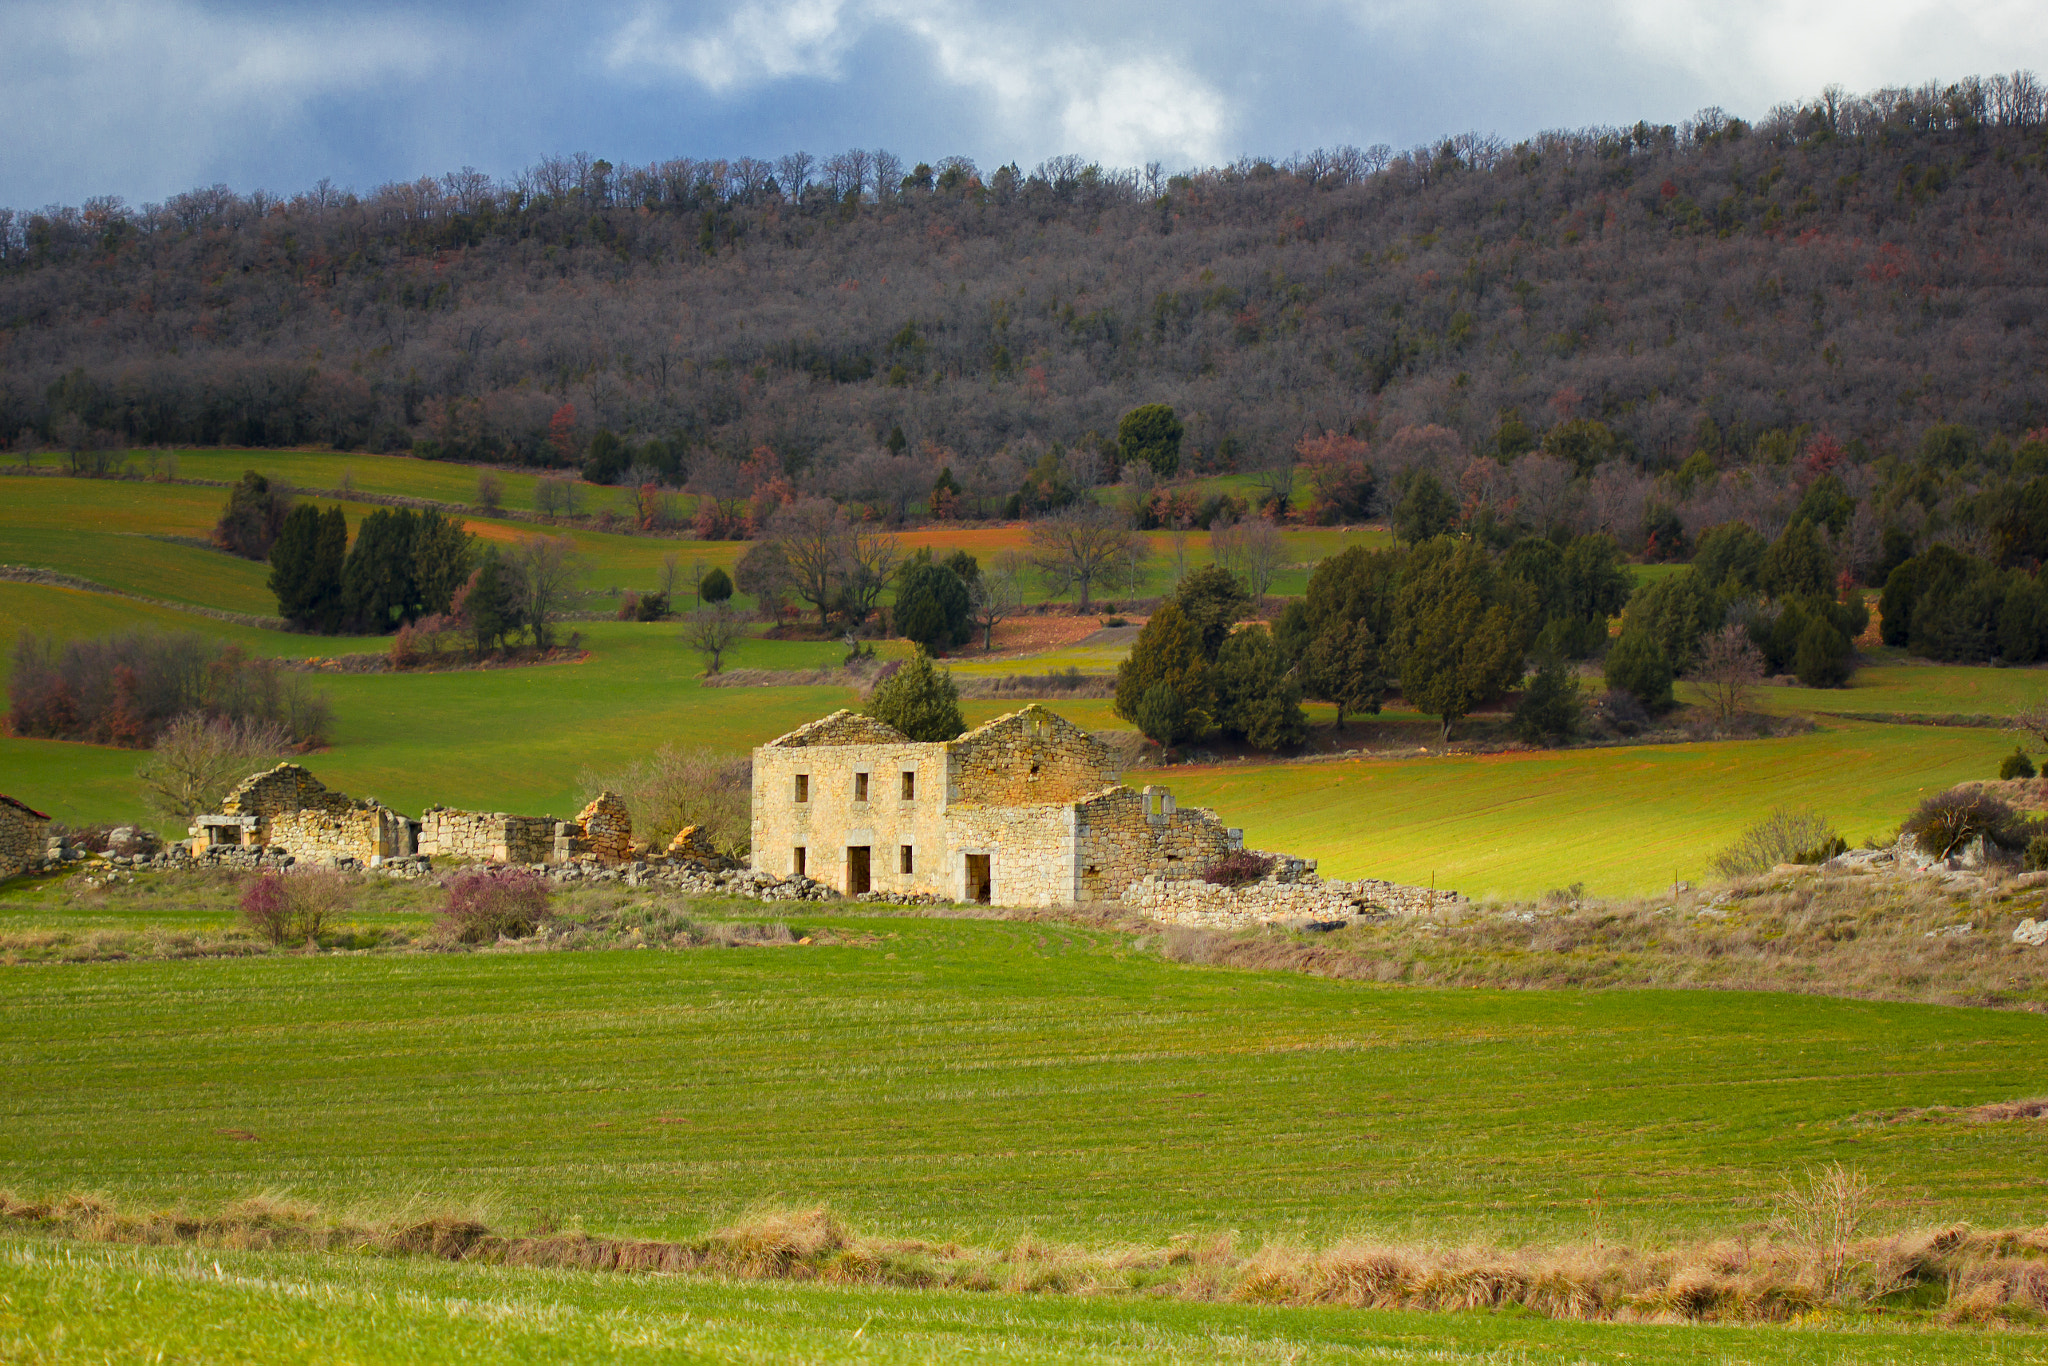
x=1086 y=547
x=197 y=760
x=994 y=595
x=811 y=535
x=713 y=631
x=1253 y=550
x=1728 y=669
x=546 y=569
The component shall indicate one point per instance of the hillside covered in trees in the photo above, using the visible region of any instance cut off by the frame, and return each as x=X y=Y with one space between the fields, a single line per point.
x=1858 y=271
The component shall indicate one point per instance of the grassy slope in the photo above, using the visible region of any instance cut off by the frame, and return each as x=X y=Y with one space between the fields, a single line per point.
x=977 y=1079
x=140 y=1304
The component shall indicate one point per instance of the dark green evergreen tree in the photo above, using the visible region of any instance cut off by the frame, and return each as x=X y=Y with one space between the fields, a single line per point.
x=305 y=567
x=919 y=699
x=489 y=602
x=377 y=585
x=1168 y=651
x=932 y=605
x=1424 y=509
x=254 y=516
x=444 y=555
x=1342 y=666
x=1797 y=564
x=1212 y=599
x=1637 y=666
x=1257 y=701
x=1551 y=708
x=1150 y=433
x=714 y=587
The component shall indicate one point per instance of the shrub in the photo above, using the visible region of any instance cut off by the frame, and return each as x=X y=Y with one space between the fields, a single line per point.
x=1237 y=868
x=298 y=905
x=715 y=586
x=653 y=607
x=673 y=787
x=629 y=606
x=2016 y=765
x=1781 y=837
x=1623 y=712
x=486 y=904
x=1949 y=820
x=123 y=689
x=2037 y=854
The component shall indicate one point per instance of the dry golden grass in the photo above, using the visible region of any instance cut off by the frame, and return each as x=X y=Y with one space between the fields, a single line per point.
x=1796 y=1267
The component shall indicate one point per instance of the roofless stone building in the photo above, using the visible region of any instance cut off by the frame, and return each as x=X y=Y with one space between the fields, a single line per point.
x=1027 y=810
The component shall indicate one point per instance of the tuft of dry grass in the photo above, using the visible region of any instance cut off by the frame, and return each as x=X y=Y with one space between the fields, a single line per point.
x=1957 y=1273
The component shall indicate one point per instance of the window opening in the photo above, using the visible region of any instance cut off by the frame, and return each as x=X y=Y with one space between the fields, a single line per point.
x=798 y=862
x=907 y=864
x=860 y=787
x=909 y=785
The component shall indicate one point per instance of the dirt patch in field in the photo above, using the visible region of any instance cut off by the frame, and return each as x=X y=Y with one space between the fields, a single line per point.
x=1041 y=634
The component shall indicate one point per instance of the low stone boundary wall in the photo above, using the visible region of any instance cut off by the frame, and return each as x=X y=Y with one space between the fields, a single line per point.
x=1190 y=901
x=486 y=836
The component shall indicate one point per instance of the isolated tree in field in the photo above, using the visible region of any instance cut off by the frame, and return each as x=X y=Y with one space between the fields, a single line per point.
x=254 y=515
x=1342 y=666
x=1150 y=434
x=490 y=492
x=815 y=541
x=763 y=575
x=198 y=759
x=933 y=607
x=713 y=631
x=305 y=567
x=994 y=596
x=1727 y=671
x=545 y=571
x=1168 y=652
x=919 y=699
x=715 y=587
x=1084 y=548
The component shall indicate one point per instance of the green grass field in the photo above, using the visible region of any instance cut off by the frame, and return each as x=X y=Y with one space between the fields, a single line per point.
x=979 y=1080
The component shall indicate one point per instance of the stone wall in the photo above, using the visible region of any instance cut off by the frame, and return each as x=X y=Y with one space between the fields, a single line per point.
x=1027 y=758
x=607 y=828
x=369 y=832
x=1184 y=902
x=1126 y=836
x=837 y=785
x=286 y=807
x=1030 y=851
x=24 y=836
x=487 y=836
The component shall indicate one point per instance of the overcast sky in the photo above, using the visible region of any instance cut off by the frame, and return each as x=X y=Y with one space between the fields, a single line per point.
x=144 y=98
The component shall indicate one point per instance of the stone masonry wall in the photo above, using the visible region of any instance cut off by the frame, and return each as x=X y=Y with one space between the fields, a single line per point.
x=486 y=836
x=1126 y=836
x=607 y=828
x=834 y=816
x=1030 y=854
x=24 y=833
x=1031 y=757
x=1183 y=902
x=365 y=831
x=288 y=787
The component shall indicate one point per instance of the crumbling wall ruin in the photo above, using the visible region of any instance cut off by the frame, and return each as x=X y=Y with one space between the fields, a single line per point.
x=487 y=836
x=287 y=807
x=1184 y=901
x=24 y=836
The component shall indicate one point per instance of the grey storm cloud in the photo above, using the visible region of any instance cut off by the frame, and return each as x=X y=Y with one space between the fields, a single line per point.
x=142 y=98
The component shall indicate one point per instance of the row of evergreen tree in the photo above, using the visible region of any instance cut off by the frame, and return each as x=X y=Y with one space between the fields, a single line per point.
x=404 y=565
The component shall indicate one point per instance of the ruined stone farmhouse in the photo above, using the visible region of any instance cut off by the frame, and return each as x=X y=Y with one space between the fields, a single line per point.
x=289 y=809
x=23 y=833
x=1027 y=810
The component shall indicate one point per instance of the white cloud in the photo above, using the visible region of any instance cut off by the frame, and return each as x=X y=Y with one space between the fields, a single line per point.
x=1772 y=50
x=1060 y=93
x=150 y=95
x=757 y=42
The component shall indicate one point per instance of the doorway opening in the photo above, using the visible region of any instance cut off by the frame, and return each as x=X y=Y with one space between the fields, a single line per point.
x=978 y=888
x=856 y=869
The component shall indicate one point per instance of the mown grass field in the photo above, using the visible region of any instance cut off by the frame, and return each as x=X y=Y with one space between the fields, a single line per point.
x=64 y=1303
